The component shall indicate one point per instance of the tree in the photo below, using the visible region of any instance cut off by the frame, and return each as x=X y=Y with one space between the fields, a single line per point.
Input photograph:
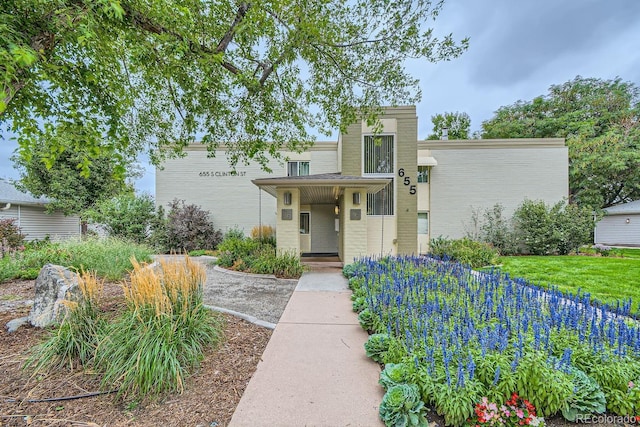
x=66 y=176
x=125 y=216
x=457 y=124
x=252 y=76
x=600 y=120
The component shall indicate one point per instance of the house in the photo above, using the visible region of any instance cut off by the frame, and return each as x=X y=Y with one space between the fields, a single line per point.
x=30 y=215
x=366 y=193
x=620 y=226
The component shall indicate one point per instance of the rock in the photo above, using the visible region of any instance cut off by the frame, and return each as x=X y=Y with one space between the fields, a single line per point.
x=53 y=285
x=14 y=324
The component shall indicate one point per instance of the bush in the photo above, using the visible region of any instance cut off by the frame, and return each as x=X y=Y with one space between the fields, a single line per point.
x=497 y=231
x=125 y=216
x=464 y=251
x=188 y=228
x=11 y=237
x=557 y=229
x=234 y=249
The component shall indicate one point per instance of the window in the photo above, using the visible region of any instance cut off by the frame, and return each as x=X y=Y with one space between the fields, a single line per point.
x=378 y=154
x=423 y=174
x=423 y=222
x=381 y=203
x=304 y=222
x=297 y=168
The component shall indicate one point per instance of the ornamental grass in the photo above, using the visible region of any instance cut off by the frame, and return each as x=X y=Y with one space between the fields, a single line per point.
x=152 y=347
x=74 y=342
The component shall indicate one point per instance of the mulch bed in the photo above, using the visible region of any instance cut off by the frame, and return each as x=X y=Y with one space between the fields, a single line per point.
x=210 y=397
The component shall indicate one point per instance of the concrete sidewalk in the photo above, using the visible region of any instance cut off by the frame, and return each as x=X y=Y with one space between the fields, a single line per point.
x=314 y=371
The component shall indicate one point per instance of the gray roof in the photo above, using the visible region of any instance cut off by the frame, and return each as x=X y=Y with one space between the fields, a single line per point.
x=10 y=194
x=624 y=208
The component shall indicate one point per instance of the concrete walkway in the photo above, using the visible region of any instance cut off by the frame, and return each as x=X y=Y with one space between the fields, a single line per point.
x=314 y=371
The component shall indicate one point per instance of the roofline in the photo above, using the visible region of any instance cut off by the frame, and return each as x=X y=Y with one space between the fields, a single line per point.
x=343 y=182
x=316 y=146
x=462 y=144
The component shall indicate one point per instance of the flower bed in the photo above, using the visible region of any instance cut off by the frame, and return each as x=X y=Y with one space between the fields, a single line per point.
x=459 y=336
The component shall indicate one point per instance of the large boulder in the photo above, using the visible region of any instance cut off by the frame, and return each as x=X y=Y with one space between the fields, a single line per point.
x=53 y=285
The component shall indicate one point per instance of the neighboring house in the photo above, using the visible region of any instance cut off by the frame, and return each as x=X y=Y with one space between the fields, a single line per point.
x=369 y=195
x=620 y=226
x=29 y=213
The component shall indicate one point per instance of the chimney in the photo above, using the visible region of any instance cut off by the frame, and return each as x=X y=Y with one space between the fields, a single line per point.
x=445 y=133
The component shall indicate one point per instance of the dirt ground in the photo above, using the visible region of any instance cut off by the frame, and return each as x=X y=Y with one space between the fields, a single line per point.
x=211 y=395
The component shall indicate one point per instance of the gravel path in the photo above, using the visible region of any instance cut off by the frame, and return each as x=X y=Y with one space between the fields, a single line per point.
x=261 y=297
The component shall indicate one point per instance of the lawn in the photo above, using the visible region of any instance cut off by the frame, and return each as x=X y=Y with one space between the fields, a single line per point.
x=606 y=278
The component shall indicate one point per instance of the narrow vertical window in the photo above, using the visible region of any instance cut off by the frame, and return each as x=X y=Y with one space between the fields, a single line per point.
x=378 y=154
x=423 y=223
x=423 y=174
x=304 y=222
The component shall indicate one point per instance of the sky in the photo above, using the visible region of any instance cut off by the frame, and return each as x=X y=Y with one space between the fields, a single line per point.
x=518 y=49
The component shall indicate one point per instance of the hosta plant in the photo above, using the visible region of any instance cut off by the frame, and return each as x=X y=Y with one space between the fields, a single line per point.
x=401 y=407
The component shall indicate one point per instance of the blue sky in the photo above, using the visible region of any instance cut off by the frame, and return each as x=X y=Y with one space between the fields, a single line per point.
x=517 y=50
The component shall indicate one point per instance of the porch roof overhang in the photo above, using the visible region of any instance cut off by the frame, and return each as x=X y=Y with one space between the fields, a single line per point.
x=321 y=188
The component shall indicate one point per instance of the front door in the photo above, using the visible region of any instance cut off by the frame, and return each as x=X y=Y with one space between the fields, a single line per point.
x=324 y=237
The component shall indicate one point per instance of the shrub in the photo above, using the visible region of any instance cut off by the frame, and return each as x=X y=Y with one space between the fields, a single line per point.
x=556 y=229
x=161 y=336
x=265 y=234
x=497 y=231
x=233 y=249
x=188 y=227
x=125 y=216
x=267 y=261
x=602 y=250
x=11 y=237
x=76 y=339
x=465 y=251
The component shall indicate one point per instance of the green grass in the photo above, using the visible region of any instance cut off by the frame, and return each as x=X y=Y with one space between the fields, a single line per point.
x=605 y=278
x=108 y=258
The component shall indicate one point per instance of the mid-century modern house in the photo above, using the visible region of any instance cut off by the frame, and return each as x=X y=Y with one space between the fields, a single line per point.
x=370 y=194
x=30 y=215
x=620 y=226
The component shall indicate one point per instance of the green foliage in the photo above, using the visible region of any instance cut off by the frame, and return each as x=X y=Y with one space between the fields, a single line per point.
x=395 y=374
x=544 y=385
x=457 y=124
x=108 y=258
x=377 y=345
x=74 y=342
x=558 y=229
x=465 y=251
x=55 y=166
x=153 y=74
x=498 y=232
x=599 y=119
x=268 y=261
x=234 y=249
x=151 y=348
x=11 y=237
x=188 y=227
x=125 y=216
x=587 y=397
x=245 y=254
x=401 y=407
x=618 y=382
x=367 y=320
x=456 y=403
